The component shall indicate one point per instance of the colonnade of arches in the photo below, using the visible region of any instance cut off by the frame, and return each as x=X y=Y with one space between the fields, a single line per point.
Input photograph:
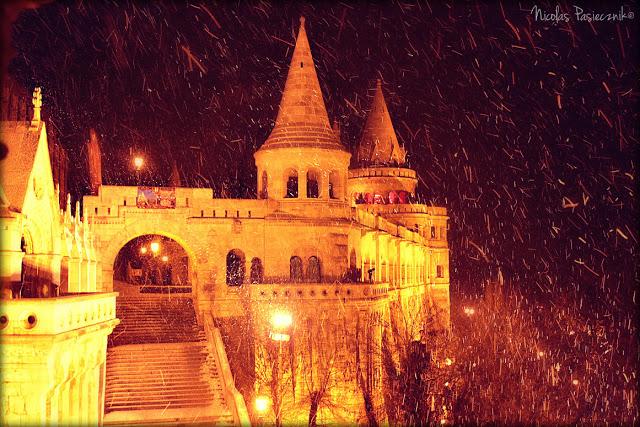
x=384 y=258
x=299 y=271
x=311 y=183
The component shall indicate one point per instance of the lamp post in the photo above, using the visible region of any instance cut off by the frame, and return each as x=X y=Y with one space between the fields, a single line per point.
x=261 y=405
x=280 y=332
x=138 y=162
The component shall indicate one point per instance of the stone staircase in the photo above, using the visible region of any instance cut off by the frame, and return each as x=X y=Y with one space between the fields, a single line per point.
x=159 y=368
x=146 y=319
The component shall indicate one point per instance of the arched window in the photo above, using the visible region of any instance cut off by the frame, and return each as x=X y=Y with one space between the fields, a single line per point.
x=403 y=196
x=295 y=269
x=264 y=194
x=292 y=184
x=313 y=270
x=368 y=198
x=257 y=271
x=335 y=189
x=433 y=232
x=393 y=197
x=313 y=184
x=235 y=268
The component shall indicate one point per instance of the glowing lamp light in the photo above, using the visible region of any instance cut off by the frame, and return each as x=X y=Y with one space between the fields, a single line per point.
x=575 y=382
x=469 y=311
x=143 y=250
x=448 y=361
x=541 y=354
x=138 y=162
x=165 y=258
x=281 y=320
x=261 y=404
x=155 y=247
x=277 y=336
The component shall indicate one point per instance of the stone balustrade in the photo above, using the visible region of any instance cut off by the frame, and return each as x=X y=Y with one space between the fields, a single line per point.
x=52 y=358
x=316 y=291
x=53 y=316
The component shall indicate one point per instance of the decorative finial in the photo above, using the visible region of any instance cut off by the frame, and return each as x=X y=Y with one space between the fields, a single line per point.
x=378 y=84
x=302 y=21
x=36 y=100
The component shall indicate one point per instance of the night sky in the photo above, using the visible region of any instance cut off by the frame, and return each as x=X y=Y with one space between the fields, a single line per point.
x=524 y=130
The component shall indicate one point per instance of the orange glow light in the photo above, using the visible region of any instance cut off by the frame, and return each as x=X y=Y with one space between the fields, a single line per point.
x=143 y=250
x=138 y=162
x=155 y=247
x=281 y=320
x=261 y=404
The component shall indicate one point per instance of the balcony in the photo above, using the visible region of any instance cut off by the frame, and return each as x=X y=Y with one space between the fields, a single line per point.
x=314 y=291
x=53 y=316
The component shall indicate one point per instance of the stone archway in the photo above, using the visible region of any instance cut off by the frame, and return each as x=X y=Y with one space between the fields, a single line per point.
x=110 y=250
x=152 y=263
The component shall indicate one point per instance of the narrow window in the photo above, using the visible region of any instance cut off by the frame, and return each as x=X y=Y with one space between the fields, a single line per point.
x=440 y=271
x=265 y=186
x=295 y=269
x=313 y=186
x=292 y=184
x=257 y=271
x=313 y=270
x=235 y=268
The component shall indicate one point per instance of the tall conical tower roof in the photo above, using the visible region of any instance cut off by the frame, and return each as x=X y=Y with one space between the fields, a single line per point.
x=302 y=119
x=379 y=143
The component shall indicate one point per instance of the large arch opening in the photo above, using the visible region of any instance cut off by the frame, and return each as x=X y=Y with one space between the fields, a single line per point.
x=152 y=263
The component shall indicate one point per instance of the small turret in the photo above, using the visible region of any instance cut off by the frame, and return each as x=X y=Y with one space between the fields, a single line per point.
x=380 y=175
x=303 y=157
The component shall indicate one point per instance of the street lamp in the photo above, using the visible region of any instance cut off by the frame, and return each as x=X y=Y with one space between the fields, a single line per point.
x=143 y=250
x=155 y=247
x=281 y=322
x=165 y=258
x=138 y=162
x=469 y=311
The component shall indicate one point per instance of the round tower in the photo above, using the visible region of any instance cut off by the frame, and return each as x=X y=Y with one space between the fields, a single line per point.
x=380 y=175
x=302 y=158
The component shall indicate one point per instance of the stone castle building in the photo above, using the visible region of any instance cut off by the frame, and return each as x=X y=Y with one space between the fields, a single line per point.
x=334 y=240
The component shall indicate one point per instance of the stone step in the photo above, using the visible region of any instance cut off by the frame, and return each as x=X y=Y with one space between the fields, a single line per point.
x=158 y=361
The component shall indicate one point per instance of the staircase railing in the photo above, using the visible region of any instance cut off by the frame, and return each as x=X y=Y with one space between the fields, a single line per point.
x=232 y=395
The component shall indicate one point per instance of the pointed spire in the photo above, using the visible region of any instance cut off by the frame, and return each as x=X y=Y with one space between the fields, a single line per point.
x=77 y=215
x=36 y=100
x=94 y=161
x=67 y=212
x=174 y=179
x=379 y=144
x=302 y=116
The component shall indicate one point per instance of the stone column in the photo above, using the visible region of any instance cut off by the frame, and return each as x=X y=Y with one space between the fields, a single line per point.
x=302 y=183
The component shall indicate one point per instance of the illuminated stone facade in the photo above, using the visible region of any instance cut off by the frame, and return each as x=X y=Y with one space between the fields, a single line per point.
x=339 y=243
x=336 y=242
x=53 y=326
